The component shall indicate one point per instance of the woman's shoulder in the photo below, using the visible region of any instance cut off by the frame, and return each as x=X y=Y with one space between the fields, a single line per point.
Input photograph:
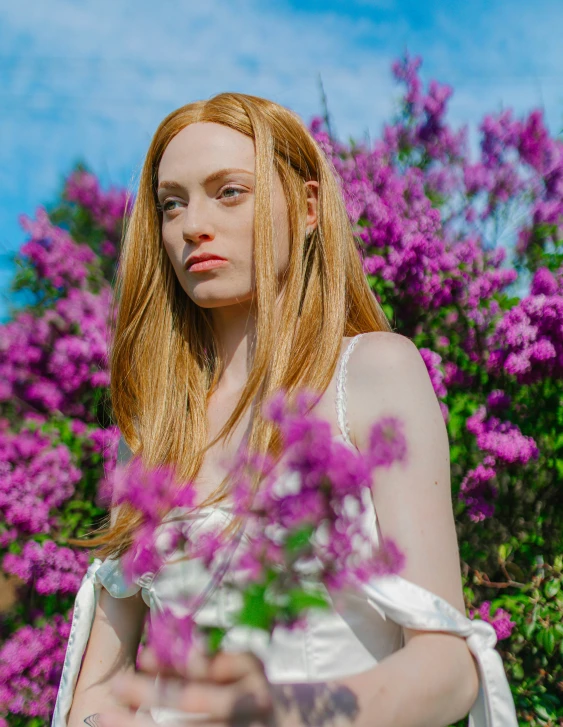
x=382 y=357
x=380 y=347
x=387 y=375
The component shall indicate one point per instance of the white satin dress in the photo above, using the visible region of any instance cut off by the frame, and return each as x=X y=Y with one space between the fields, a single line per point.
x=361 y=629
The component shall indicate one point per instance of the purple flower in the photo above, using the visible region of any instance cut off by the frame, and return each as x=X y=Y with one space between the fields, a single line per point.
x=501 y=622
x=36 y=476
x=501 y=439
x=30 y=668
x=49 y=363
x=48 y=567
x=54 y=254
x=387 y=443
x=172 y=637
x=107 y=208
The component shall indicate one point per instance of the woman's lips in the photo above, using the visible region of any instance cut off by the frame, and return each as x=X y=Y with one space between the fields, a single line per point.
x=206 y=265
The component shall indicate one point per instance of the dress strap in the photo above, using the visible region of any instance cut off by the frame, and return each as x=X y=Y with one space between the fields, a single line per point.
x=341 y=399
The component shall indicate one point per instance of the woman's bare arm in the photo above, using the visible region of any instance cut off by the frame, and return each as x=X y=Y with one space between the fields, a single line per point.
x=435 y=676
x=112 y=646
x=111 y=651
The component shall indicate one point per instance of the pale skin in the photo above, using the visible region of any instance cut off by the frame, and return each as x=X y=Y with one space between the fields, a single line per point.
x=433 y=680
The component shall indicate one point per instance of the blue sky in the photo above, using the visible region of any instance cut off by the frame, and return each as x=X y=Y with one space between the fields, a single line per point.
x=91 y=79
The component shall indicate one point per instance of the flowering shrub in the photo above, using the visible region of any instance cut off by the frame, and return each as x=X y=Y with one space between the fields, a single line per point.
x=58 y=362
x=30 y=669
x=48 y=567
x=36 y=478
x=434 y=226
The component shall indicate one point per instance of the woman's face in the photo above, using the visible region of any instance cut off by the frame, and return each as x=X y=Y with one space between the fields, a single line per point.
x=206 y=188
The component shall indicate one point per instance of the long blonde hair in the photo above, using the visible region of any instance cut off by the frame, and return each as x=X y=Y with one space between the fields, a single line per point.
x=160 y=401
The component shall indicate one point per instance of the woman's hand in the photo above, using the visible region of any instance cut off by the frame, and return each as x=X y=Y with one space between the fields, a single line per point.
x=226 y=689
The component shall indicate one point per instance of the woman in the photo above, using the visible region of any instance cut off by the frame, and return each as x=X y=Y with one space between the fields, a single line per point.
x=240 y=178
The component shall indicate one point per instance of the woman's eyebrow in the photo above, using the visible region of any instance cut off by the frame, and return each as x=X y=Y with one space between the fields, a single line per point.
x=210 y=178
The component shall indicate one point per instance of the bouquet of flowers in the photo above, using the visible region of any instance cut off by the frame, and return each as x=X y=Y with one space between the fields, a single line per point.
x=304 y=530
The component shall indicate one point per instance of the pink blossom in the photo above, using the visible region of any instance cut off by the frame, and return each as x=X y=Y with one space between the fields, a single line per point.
x=30 y=668
x=48 y=567
x=36 y=476
x=54 y=254
x=500 y=621
x=107 y=208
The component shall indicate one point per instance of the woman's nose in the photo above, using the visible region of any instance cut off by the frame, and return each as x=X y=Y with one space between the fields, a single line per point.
x=197 y=224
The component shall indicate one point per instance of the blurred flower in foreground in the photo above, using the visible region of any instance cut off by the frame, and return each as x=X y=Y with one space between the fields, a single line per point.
x=304 y=527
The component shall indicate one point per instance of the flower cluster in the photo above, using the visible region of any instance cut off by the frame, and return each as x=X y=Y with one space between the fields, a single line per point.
x=48 y=567
x=30 y=668
x=528 y=340
x=152 y=493
x=504 y=444
x=500 y=621
x=36 y=476
x=54 y=362
x=107 y=208
x=305 y=527
x=54 y=254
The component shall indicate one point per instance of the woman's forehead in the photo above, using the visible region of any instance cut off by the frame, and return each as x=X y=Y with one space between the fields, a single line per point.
x=206 y=147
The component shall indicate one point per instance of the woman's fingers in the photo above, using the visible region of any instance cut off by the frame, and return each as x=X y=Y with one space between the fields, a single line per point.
x=223 y=668
x=118 y=718
x=138 y=690
x=148 y=661
x=246 y=698
x=228 y=667
x=238 y=704
x=196 y=665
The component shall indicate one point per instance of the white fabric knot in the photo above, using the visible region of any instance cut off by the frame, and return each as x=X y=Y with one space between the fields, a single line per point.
x=145 y=581
x=415 y=607
x=483 y=636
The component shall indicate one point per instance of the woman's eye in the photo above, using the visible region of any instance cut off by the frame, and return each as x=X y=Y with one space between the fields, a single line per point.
x=164 y=206
x=232 y=189
x=227 y=193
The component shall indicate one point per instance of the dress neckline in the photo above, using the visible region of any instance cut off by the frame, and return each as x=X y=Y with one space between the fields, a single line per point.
x=228 y=508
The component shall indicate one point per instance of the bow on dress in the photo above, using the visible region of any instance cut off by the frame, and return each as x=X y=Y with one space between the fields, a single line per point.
x=415 y=607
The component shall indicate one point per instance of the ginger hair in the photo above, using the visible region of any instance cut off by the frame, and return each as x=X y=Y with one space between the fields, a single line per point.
x=159 y=401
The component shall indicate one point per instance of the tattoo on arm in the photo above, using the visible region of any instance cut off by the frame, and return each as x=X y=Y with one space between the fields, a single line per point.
x=93 y=720
x=309 y=704
x=318 y=703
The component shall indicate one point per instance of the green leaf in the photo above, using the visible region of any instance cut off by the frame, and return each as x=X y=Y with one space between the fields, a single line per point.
x=542 y=712
x=518 y=671
x=299 y=539
x=504 y=551
x=549 y=641
x=215 y=636
x=256 y=611
x=388 y=310
x=551 y=588
x=299 y=600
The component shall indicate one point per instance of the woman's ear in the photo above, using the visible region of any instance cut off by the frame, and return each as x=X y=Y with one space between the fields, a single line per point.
x=312 y=188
